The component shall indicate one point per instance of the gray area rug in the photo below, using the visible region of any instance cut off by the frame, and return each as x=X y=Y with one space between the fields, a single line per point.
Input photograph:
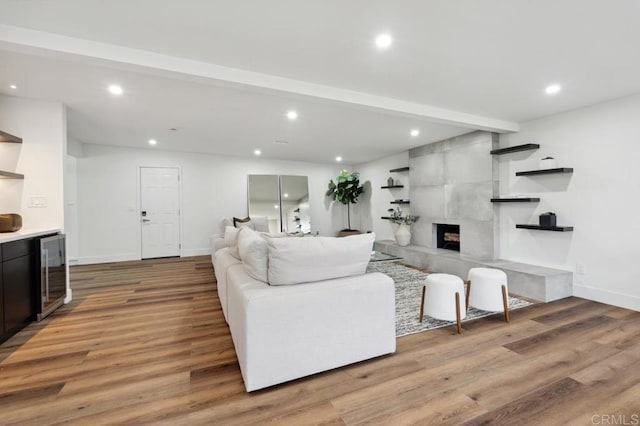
x=409 y=283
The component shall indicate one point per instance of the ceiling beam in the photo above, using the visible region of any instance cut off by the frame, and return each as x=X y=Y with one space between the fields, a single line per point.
x=43 y=43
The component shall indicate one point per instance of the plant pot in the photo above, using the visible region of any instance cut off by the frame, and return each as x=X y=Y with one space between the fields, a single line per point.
x=403 y=235
x=550 y=163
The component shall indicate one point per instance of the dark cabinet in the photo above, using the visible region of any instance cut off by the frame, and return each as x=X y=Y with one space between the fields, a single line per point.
x=17 y=284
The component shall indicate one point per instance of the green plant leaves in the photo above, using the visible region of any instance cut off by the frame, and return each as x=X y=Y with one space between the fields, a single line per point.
x=346 y=189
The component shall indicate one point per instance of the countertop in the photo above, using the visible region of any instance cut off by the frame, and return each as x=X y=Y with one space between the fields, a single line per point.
x=6 y=237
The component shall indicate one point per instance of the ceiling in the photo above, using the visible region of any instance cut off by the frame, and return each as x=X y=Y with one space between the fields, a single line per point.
x=453 y=66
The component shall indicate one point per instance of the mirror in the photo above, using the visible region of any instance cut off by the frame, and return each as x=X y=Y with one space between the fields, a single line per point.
x=264 y=199
x=284 y=200
x=294 y=192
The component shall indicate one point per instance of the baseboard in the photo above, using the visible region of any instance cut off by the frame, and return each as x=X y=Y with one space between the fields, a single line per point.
x=622 y=300
x=195 y=252
x=90 y=260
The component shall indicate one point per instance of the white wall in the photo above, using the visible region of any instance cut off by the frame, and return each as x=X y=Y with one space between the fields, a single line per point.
x=602 y=144
x=42 y=126
x=212 y=187
x=374 y=203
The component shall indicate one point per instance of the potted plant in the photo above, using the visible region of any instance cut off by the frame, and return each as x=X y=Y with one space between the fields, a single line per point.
x=346 y=190
x=403 y=232
x=548 y=163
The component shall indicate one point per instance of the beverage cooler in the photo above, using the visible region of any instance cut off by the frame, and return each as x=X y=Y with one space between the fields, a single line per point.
x=51 y=288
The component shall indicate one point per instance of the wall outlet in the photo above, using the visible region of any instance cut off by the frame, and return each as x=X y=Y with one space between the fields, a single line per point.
x=38 y=202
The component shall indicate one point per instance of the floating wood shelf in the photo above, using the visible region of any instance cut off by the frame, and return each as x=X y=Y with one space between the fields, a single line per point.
x=401 y=202
x=6 y=137
x=517 y=148
x=547 y=228
x=391 y=186
x=515 y=200
x=10 y=175
x=401 y=169
x=546 y=171
x=386 y=217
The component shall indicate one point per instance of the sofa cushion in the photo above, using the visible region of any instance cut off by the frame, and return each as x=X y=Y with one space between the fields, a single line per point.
x=301 y=260
x=231 y=240
x=254 y=253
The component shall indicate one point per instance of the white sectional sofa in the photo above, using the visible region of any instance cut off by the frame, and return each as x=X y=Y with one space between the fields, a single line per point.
x=297 y=317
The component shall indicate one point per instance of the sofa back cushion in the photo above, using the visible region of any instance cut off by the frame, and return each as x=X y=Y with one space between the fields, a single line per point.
x=253 y=252
x=300 y=260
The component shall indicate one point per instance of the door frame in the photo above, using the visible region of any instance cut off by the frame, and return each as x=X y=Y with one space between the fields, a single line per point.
x=139 y=204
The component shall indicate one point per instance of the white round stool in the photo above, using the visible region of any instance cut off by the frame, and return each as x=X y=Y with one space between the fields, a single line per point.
x=444 y=298
x=487 y=290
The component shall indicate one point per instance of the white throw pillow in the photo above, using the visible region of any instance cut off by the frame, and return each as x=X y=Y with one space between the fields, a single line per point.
x=300 y=260
x=254 y=253
x=231 y=240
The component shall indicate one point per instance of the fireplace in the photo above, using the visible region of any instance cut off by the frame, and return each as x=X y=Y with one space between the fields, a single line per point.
x=448 y=236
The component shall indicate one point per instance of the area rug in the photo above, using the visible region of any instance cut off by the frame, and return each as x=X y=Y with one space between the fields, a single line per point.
x=408 y=283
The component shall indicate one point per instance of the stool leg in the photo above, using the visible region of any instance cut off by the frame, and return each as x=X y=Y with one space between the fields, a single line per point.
x=424 y=290
x=468 y=292
x=458 y=323
x=505 y=303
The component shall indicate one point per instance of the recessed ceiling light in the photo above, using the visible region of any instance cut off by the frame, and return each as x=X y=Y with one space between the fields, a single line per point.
x=13 y=86
x=286 y=195
x=383 y=41
x=257 y=152
x=292 y=115
x=553 y=89
x=153 y=142
x=115 y=89
x=415 y=132
x=338 y=159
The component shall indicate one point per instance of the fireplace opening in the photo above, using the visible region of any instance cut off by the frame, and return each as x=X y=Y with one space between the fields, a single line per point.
x=448 y=236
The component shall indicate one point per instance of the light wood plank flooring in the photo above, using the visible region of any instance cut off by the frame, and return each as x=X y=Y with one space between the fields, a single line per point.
x=146 y=342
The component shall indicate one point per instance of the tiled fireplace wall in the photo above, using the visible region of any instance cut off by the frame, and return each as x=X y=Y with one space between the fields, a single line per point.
x=452 y=182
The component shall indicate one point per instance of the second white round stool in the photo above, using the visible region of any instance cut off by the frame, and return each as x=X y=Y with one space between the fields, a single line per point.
x=487 y=290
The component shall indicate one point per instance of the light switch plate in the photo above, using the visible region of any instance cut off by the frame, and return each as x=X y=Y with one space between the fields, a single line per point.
x=38 y=202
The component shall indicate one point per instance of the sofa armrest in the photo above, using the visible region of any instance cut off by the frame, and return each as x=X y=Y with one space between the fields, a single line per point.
x=217 y=243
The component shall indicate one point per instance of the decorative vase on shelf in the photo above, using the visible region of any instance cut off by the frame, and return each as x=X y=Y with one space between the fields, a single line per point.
x=390 y=181
x=403 y=235
x=548 y=163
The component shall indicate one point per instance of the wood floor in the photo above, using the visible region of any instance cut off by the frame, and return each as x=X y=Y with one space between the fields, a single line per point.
x=146 y=342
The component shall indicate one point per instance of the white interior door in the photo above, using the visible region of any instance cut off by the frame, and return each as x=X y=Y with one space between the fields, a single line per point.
x=160 y=211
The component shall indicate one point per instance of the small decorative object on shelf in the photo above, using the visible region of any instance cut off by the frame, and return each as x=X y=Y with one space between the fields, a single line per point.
x=390 y=181
x=403 y=232
x=548 y=220
x=547 y=163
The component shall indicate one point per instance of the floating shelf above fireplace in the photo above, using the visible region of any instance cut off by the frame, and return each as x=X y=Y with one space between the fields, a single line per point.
x=546 y=171
x=517 y=148
x=515 y=200
x=547 y=228
x=400 y=169
x=392 y=186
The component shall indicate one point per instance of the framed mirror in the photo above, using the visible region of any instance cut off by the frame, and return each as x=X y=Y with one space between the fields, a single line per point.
x=284 y=200
x=294 y=196
x=264 y=199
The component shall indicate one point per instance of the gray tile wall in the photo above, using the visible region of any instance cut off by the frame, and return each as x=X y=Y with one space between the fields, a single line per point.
x=452 y=182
